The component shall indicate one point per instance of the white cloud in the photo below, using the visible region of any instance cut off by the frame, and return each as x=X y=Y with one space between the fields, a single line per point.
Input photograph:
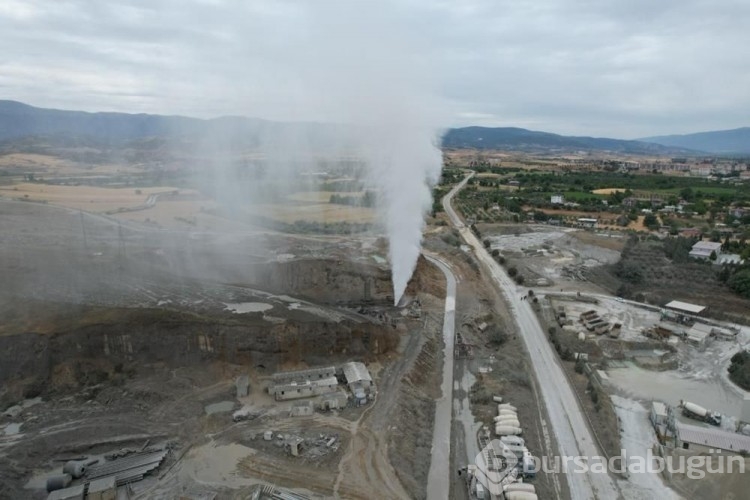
x=598 y=67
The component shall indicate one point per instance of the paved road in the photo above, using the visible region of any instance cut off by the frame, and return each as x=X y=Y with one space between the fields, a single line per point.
x=566 y=417
x=438 y=478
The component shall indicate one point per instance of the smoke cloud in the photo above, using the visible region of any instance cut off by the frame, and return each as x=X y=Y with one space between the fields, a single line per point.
x=368 y=71
x=359 y=67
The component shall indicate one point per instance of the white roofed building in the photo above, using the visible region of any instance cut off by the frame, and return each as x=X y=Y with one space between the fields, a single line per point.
x=358 y=378
x=710 y=439
x=704 y=249
x=685 y=307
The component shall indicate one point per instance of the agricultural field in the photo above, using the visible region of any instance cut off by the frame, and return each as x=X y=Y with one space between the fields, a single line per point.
x=88 y=198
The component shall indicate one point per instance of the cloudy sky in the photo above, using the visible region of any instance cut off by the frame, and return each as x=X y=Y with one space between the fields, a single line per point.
x=595 y=67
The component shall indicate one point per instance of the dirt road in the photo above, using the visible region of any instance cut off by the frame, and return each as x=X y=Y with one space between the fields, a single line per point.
x=438 y=478
x=565 y=415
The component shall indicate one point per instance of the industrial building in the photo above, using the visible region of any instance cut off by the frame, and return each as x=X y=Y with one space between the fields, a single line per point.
x=301 y=409
x=302 y=376
x=305 y=389
x=659 y=416
x=358 y=378
x=698 y=334
x=685 y=307
x=303 y=383
x=333 y=401
x=709 y=439
x=104 y=488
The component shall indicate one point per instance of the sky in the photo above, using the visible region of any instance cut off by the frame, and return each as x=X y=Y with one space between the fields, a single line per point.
x=609 y=68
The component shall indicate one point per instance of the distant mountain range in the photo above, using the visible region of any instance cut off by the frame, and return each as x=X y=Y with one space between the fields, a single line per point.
x=520 y=139
x=20 y=122
x=735 y=141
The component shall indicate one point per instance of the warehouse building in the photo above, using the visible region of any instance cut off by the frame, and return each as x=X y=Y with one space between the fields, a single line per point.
x=685 y=307
x=358 y=378
x=710 y=439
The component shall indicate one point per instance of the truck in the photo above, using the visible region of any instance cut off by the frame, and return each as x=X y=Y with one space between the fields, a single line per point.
x=697 y=412
x=514 y=440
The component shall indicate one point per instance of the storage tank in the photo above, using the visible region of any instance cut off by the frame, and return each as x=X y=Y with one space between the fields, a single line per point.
x=512 y=422
x=519 y=487
x=75 y=468
x=520 y=495
x=506 y=416
x=695 y=409
x=55 y=483
x=507 y=430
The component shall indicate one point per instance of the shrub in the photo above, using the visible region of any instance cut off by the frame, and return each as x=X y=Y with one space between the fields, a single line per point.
x=740 y=282
x=594 y=396
x=496 y=336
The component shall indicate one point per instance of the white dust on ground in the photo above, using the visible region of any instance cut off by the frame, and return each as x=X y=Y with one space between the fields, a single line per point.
x=637 y=437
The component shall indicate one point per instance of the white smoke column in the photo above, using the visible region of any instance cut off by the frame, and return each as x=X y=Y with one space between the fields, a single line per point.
x=371 y=66
x=405 y=164
x=360 y=63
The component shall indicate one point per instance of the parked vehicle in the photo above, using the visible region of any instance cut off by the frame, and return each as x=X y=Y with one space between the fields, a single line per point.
x=697 y=412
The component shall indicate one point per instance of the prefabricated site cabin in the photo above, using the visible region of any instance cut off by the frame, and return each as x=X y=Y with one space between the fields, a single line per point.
x=303 y=383
x=306 y=389
x=299 y=376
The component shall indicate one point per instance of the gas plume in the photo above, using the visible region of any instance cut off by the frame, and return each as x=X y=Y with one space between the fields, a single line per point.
x=369 y=68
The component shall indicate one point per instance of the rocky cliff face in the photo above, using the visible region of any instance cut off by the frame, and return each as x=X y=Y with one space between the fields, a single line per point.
x=174 y=339
x=328 y=281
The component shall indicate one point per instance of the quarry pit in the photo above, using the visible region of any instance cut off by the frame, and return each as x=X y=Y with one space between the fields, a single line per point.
x=119 y=340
